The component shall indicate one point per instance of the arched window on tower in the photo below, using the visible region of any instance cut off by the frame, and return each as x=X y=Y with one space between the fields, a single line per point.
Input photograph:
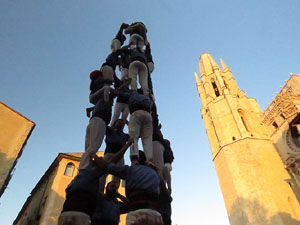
x=244 y=120
x=215 y=87
x=69 y=170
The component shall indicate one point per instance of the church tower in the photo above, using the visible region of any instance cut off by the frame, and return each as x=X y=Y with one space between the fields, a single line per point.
x=251 y=174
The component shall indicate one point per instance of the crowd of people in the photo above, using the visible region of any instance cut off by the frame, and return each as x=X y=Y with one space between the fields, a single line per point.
x=148 y=179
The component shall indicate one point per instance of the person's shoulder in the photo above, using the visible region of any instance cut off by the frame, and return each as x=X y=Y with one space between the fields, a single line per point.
x=109 y=129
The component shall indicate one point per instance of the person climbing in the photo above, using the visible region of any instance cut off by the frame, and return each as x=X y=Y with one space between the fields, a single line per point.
x=138 y=35
x=109 y=66
x=96 y=128
x=101 y=116
x=137 y=68
x=115 y=139
x=118 y=41
x=112 y=60
x=121 y=106
x=140 y=123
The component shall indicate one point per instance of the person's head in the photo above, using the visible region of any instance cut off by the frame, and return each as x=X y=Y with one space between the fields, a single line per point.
x=95 y=74
x=138 y=159
x=168 y=142
x=140 y=91
x=119 y=124
x=111 y=188
x=135 y=160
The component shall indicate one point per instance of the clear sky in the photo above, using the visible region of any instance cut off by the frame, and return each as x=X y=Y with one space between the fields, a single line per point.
x=48 y=49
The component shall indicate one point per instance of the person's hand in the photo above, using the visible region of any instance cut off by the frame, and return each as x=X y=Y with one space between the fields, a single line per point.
x=130 y=141
x=124 y=25
x=101 y=163
x=113 y=91
x=88 y=112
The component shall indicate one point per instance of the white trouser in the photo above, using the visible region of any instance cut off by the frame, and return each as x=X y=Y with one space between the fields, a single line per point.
x=74 y=218
x=108 y=157
x=120 y=108
x=158 y=155
x=107 y=72
x=150 y=66
x=139 y=216
x=124 y=74
x=137 y=40
x=95 y=132
x=167 y=175
x=138 y=68
x=115 y=45
x=140 y=125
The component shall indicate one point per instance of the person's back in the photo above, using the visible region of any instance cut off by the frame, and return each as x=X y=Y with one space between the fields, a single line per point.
x=139 y=102
x=142 y=184
x=81 y=196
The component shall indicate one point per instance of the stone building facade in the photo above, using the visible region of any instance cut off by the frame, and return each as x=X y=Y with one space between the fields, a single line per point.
x=15 y=129
x=255 y=184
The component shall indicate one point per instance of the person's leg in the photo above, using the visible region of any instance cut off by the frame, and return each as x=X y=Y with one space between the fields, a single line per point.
x=150 y=85
x=125 y=112
x=150 y=67
x=158 y=155
x=137 y=41
x=115 y=45
x=124 y=74
x=146 y=134
x=143 y=77
x=94 y=136
x=167 y=175
x=132 y=73
x=102 y=179
x=117 y=112
x=134 y=128
x=107 y=72
x=140 y=44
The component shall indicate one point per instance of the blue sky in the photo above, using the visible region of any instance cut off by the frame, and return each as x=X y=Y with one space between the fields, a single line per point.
x=48 y=49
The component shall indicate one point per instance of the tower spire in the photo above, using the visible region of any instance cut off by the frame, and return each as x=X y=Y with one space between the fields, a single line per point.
x=229 y=80
x=201 y=90
x=224 y=66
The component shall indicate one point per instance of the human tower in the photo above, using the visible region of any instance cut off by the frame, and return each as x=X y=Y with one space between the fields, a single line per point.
x=148 y=179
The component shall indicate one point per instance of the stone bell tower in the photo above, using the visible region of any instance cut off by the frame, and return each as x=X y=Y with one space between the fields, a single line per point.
x=251 y=174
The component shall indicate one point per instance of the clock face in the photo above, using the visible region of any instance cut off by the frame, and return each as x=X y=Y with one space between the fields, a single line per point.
x=292 y=141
